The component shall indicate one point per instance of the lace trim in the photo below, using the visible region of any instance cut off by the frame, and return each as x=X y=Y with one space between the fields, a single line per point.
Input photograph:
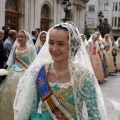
x=61 y=85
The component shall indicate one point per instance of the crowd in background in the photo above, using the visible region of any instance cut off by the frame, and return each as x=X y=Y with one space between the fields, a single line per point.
x=101 y=50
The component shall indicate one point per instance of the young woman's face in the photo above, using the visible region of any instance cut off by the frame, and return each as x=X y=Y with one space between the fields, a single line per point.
x=21 y=38
x=43 y=38
x=106 y=37
x=83 y=38
x=58 y=45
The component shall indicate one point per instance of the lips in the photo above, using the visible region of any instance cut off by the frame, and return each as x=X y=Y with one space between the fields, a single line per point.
x=56 y=55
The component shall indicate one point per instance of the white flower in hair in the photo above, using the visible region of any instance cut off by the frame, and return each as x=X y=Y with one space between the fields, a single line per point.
x=3 y=72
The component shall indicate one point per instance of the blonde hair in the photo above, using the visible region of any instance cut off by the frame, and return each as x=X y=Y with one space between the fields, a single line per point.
x=1 y=34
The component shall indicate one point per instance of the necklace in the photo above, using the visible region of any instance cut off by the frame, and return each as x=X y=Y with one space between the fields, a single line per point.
x=58 y=75
x=22 y=48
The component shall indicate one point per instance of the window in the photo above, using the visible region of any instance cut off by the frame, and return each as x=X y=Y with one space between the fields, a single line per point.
x=45 y=12
x=91 y=8
x=115 y=22
x=106 y=6
x=112 y=21
x=119 y=6
x=118 y=21
x=90 y=21
x=116 y=6
x=11 y=5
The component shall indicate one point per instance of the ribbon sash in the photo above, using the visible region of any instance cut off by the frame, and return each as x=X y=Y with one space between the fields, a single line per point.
x=55 y=109
x=21 y=63
x=18 y=60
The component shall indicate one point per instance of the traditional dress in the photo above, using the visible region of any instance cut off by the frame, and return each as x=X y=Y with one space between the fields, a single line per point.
x=79 y=99
x=108 y=54
x=20 y=62
x=117 y=47
x=85 y=42
x=103 y=57
x=95 y=60
x=38 y=44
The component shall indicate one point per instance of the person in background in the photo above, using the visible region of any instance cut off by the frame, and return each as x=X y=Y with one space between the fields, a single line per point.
x=60 y=85
x=21 y=56
x=8 y=43
x=95 y=58
x=108 y=53
x=101 y=54
x=40 y=41
x=83 y=37
x=39 y=30
x=3 y=57
x=34 y=35
x=117 y=47
x=6 y=30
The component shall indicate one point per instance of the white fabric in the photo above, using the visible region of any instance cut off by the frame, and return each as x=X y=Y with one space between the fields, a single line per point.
x=38 y=42
x=96 y=43
x=106 y=43
x=27 y=88
x=29 y=45
x=118 y=53
x=85 y=42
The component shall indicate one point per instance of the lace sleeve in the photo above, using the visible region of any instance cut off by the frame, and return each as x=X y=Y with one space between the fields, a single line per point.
x=89 y=95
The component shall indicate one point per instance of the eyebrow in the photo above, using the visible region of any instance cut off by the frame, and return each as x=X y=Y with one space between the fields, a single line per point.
x=57 y=41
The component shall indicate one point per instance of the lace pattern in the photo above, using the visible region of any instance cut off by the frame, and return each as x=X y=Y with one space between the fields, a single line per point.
x=78 y=57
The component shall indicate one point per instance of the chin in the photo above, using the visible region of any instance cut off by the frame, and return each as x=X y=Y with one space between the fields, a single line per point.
x=56 y=60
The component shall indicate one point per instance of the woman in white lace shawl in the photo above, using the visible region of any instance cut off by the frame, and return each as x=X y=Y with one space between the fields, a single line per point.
x=76 y=87
x=108 y=53
x=95 y=58
x=101 y=52
x=40 y=41
x=117 y=47
x=83 y=37
x=21 y=56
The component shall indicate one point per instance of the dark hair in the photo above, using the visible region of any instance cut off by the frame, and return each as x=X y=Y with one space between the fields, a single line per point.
x=38 y=29
x=34 y=32
x=5 y=27
x=60 y=27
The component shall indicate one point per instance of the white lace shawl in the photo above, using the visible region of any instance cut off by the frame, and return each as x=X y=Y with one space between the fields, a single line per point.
x=96 y=44
x=117 y=43
x=26 y=91
x=30 y=48
x=108 y=43
x=38 y=42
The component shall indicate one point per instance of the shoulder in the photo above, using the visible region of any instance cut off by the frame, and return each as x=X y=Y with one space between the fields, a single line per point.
x=83 y=73
x=30 y=48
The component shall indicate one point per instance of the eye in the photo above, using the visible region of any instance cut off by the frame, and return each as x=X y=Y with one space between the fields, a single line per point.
x=61 y=44
x=51 y=42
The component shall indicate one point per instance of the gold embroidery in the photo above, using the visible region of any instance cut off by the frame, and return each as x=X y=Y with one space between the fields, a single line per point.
x=62 y=95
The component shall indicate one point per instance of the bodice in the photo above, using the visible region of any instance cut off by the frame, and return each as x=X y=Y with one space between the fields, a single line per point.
x=24 y=56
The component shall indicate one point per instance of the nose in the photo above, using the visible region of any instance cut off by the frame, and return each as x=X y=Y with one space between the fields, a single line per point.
x=54 y=47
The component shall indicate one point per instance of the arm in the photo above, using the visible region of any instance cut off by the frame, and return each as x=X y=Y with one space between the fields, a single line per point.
x=34 y=113
x=90 y=97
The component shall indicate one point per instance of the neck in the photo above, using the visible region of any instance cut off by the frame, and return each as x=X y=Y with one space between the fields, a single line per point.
x=60 y=66
x=22 y=45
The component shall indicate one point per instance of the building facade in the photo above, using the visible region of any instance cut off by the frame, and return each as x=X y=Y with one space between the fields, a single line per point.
x=31 y=14
x=111 y=12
